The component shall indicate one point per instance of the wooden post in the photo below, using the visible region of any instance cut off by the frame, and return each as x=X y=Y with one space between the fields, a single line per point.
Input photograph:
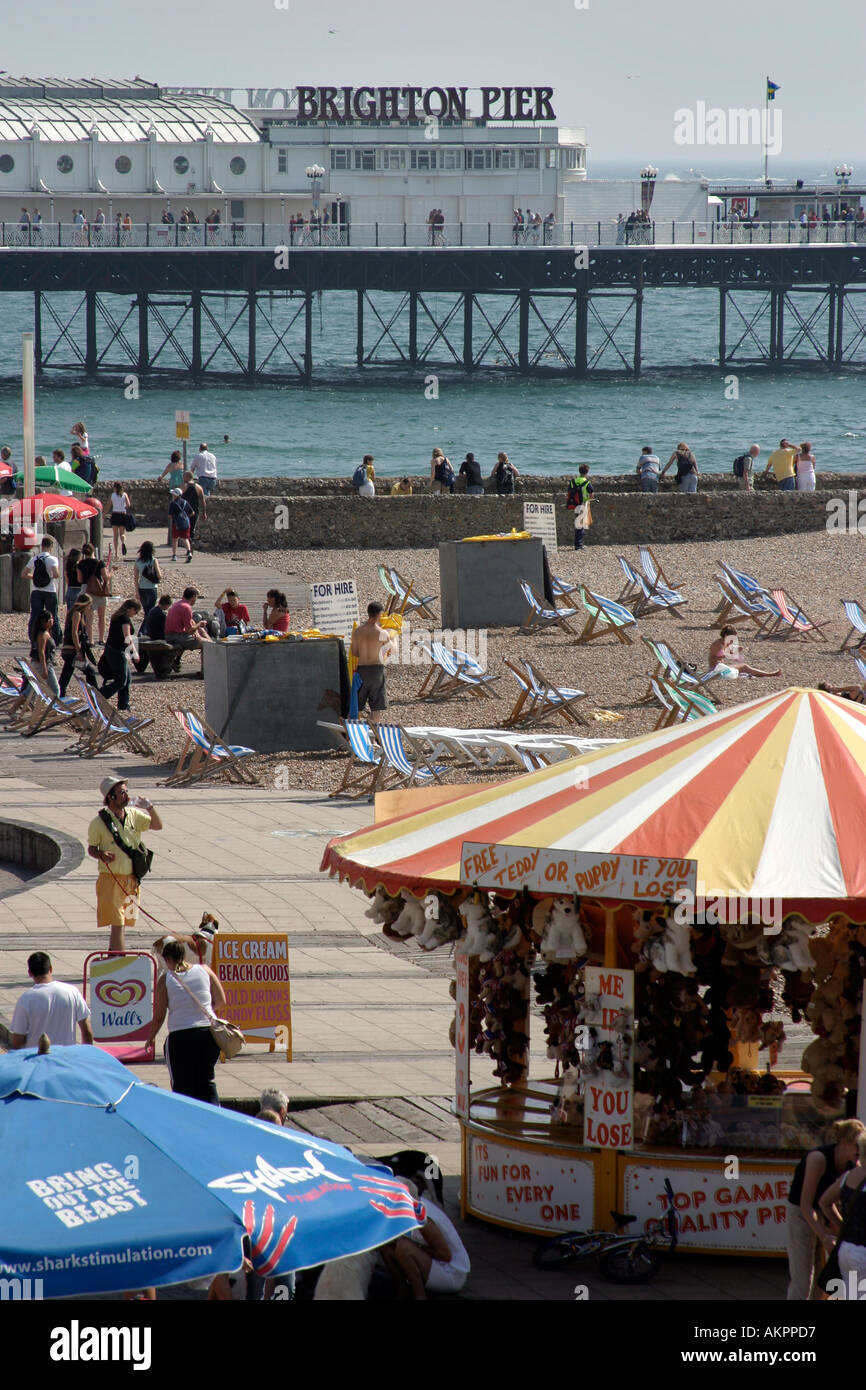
x=610 y=941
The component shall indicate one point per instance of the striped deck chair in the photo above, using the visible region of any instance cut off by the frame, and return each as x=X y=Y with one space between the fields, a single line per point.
x=737 y=604
x=385 y=581
x=670 y=712
x=406 y=599
x=109 y=726
x=693 y=704
x=45 y=709
x=10 y=689
x=631 y=590
x=365 y=770
x=653 y=570
x=857 y=618
x=788 y=623
x=467 y=671
x=204 y=756
x=521 y=712
x=661 y=599
x=746 y=582
x=861 y=667
x=603 y=616
x=540 y=616
x=553 y=699
x=405 y=758
x=561 y=588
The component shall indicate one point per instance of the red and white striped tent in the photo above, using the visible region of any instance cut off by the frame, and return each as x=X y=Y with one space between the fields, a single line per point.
x=768 y=797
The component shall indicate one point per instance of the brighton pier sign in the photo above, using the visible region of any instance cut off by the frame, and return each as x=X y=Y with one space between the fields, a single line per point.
x=347 y=104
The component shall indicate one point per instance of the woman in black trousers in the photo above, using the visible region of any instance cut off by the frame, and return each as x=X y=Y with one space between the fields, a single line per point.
x=190 y=995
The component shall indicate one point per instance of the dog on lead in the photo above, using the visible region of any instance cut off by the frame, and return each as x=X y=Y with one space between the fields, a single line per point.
x=199 y=945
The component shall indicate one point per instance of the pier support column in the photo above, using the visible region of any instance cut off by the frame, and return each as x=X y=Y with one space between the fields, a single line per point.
x=143 y=345
x=413 y=328
x=723 y=325
x=359 y=341
x=37 y=330
x=468 y=302
x=195 y=300
x=638 y=319
x=90 y=332
x=581 y=328
x=523 y=333
x=777 y=326
x=308 y=337
x=252 y=302
x=840 y=318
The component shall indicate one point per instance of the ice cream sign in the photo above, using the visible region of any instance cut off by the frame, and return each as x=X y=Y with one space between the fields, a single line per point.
x=625 y=877
x=119 y=991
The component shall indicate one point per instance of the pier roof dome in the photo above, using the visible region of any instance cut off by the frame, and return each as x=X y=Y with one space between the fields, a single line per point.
x=67 y=110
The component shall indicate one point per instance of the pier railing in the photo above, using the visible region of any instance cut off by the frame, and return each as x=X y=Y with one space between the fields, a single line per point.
x=273 y=235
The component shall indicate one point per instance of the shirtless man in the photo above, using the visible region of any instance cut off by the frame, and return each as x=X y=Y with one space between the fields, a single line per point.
x=371 y=646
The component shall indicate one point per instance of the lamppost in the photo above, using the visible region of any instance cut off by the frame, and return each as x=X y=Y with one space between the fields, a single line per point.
x=648 y=175
x=843 y=176
x=315 y=173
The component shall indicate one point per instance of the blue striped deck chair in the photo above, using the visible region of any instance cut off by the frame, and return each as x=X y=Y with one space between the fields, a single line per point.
x=631 y=589
x=466 y=670
x=653 y=570
x=10 y=688
x=540 y=616
x=366 y=768
x=746 y=582
x=385 y=581
x=520 y=712
x=405 y=758
x=755 y=606
x=203 y=754
x=561 y=588
x=605 y=615
x=693 y=704
x=47 y=710
x=857 y=618
x=861 y=667
x=109 y=726
x=406 y=599
x=661 y=599
x=553 y=699
x=670 y=712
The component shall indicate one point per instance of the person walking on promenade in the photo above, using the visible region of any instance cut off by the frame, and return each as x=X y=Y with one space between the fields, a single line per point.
x=96 y=582
x=190 y=995
x=579 y=492
x=73 y=583
x=204 y=468
x=43 y=571
x=648 y=470
x=174 y=469
x=782 y=464
x=744 y=467
x=148 y=576
x=120 y=506
x=194 y=495
x=806 y=1227
x=111 y=837
x=805 y=466
x=49 y=1006
x=42 y=651
x=180 y=516
x=76 y=648
x=371 y=645
x=687 y=468
x=119 y=651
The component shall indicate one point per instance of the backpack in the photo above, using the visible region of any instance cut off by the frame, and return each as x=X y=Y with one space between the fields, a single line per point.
x=740 y=465
x=576 y=493
x=41 y=573
x=149 y=573
x=504 y=478
x=360 y=475
x=181 y=512
x=444 y=472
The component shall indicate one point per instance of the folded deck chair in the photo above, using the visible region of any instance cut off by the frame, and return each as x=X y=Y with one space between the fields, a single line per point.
x=204 y=756
x=405 y=598
x=540 y=616
x=365 y=770
x=604 y=616
x=857 y=618
x=109 y=726
x=553 y=699
x=407 y=760
x=653 y=570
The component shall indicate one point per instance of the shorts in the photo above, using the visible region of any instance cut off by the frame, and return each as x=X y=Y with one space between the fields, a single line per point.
x=445 y=1278
x=117 y=900
x=177 y=535
x=97 y=601
x=372 y=688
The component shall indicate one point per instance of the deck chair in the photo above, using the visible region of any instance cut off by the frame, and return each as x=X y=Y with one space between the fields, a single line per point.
x=521 y=711
x=366 y=766
x=861 y=667
x=857 y=618
x=385 y=581
x=631 y=589
x=553 y=699
x=796 y=617
x=10 y=689
x=692 y=704
x=405 y=758
x=409 y=600
x=783 y=621
x=464 y=669
x=746 y=582
x=561 y=588
x=670 y=711
x=540 y=616
x=661 y=599
x=604 y=615
x=109 y=726
x=45 y=710
x=737 y=604
x=653 y=570
x=204 y=756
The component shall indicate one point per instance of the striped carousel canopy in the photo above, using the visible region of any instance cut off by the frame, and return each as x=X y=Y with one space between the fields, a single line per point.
x=768 y=797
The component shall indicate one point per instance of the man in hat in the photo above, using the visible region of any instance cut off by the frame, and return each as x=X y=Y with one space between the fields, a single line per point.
x=117 y=829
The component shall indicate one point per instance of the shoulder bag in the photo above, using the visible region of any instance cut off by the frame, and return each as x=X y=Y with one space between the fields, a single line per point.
x=227 y=1036
x=142 y=858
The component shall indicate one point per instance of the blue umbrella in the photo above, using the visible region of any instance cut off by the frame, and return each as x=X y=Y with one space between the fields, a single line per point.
x=107 y=1183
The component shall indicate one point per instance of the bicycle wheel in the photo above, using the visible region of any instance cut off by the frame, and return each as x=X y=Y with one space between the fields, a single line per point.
x=629 y=1264
x=556 y=1253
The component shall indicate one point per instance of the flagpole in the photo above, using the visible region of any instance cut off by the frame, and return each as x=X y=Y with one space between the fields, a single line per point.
x=766 y=126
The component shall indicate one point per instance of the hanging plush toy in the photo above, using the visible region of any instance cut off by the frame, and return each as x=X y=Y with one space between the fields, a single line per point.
x=670 y=952
x=410 y=921
x=441 y=922
x=562 y=937
x=384 y=908
x=481 y=938
x=789 y=949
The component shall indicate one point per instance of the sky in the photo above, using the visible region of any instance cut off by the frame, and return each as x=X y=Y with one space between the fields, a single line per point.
x=618 y=68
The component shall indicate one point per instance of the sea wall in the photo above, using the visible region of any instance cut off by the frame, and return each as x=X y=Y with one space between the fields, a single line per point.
x=326 y=513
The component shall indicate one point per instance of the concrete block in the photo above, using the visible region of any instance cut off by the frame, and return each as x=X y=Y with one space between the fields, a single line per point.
x=265 y=695
x=6 y=583
x=480 y=581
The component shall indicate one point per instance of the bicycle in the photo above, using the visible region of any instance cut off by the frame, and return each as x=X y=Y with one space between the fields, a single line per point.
x=621 y=1258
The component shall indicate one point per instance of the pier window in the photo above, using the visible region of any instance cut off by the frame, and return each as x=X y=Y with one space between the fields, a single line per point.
x=392 y=158
x=364 y=159
x=505 y=159
x=529 y=159
x=238 y=165
x=551 y=158
x=451 y=159
x=65 y=164
x=7 y=164
x=479 y=159
x=340 y=159
x=282 y=161
x=123 y=164
x=422 y=159
x=181 y=164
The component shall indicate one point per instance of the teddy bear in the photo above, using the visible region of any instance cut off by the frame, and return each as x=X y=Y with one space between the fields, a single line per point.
x=481 y=938
x=441 y=922
x=383 y=908
x=670 y=951
x=410 y=920
x=562 y=938
x=746 y=1025
x=741 y=943
x=789 y=949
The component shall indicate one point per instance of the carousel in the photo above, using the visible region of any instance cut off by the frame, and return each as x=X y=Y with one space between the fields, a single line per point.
x=684 y=916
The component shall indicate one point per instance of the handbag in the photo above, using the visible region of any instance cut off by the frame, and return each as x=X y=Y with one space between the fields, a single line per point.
x=142 y=858
x=227 y=1036
x=129 y=522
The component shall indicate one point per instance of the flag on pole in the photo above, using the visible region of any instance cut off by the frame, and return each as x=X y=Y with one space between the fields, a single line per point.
x=772 y=89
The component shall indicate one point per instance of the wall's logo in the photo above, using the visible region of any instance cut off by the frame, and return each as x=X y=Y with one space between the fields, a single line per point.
x=119 y=994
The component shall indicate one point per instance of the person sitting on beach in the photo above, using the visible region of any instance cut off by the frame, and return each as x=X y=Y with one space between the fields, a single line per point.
x=181 y=628
x=153 y=626
x=233 y=610
x=727 y=652
x=275 y=612
x=857 y=693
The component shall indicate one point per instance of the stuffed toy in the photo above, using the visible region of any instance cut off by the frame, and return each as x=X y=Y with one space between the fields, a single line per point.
x=383 y=908
x=410 y=920
x=441 y=922
x=562 y=938
x=670 y=952
x=481 y=938
x=741 y=943
x=789 y=950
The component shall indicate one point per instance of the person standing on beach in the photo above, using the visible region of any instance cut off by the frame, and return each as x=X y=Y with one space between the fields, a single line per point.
x=805 y=469
x=471 y=470
x=371 y=645
x=110 y=836
x=579 y=493
x=648 y=470
x=194 y=496
x=180 y=516
x=43 y=571
x=782 y=464
x=746 y=463
x=504 y=472
x=174 y=469
x=687 y=468
x=204 y=468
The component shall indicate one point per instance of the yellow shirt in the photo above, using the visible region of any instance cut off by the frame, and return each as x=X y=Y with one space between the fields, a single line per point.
x=135 y=822
x=398 y=491
x=782 y=463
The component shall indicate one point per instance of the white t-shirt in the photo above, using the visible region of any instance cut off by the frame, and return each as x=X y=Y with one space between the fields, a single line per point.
x=184 y=1012
x=53 y=567
x=459 y=1261
x=649 y=465
x=205 y=465
x=51 y=1007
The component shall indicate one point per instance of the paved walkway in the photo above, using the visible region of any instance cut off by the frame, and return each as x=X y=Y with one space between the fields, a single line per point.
x=211 y=573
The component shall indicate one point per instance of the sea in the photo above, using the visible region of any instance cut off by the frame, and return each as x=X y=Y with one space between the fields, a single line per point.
x=545 y=424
